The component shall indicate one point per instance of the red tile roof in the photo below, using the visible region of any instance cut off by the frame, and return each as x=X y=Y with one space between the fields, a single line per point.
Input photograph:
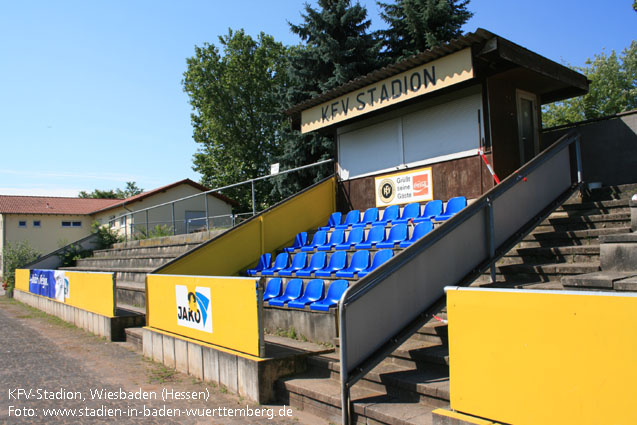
x=52 y=205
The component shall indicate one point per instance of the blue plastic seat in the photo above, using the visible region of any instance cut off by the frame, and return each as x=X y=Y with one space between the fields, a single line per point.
x=282 y=261
x=314 y=291
x=355 y=236
x=410 y=212
x=264 y=262
x=420 y=230
x=336 y=238
x=389 y=214
x=299 y=242
x=273 y=289
x=379 y=258
x=298 y=262
x=338 y=261
x=370 y=216
x=453 y=206
x=360 y=261
x=397 y=234
x=333 y=296
x=317 y=262
x=375 y=235
x=292 y=291
x=432 y=209
x=319 y=238
x=352 y=217
x=335 y=219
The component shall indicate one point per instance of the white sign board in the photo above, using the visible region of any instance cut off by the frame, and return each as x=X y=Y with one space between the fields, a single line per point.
x=404 y=188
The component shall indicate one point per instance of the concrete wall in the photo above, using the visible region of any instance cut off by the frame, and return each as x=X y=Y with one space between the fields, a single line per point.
x=609 y=148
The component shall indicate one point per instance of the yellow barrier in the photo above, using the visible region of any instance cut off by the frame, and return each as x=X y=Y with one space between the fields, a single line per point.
x=94 y=292
x=543 y=357
x=238 y=248
x=218 y=310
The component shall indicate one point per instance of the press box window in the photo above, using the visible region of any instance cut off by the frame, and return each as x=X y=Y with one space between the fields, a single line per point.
x=66 y=224
x=36 y=223
x=77 y=224
x=22 y=223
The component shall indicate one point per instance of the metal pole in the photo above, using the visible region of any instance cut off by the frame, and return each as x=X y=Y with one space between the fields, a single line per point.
x=345 y=395
x=254 y=207
x=126 y=228
x=207 y=221
x=173 y=216
x=147 y=233
x=578 y=155
x=491 y=235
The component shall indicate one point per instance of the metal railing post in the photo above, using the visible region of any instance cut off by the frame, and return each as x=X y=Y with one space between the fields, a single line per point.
x=578 y=157
x=173 y=216
x=491 y=237
x=147 y=230
x=207 y=220
x=345 y=393
x=254 y=206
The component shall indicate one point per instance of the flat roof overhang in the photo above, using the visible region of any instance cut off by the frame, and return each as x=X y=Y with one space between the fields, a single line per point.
x=490 y=55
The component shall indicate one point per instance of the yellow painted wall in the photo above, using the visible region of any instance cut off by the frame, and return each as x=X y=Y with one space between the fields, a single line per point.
x=241 y=247
x=94 y=292
x=233 y=305
x=543 y=357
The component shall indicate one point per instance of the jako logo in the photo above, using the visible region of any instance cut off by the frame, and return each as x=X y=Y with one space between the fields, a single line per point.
x=193 y=308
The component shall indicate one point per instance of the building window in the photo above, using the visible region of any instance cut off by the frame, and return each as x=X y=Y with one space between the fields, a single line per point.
x=22 y=223
x=37 y=223
x=77 y=224
x=66 y=224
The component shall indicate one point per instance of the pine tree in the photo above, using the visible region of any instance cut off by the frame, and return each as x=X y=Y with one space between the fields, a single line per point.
x=418 y=25
x=337 y=48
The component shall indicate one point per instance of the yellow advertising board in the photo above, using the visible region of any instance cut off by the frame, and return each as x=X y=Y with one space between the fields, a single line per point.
x=218 y=310
x=90 y=291
x=543 y=357
x=435 y=75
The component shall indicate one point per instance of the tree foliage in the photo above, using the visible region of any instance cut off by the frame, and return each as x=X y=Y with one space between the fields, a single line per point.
x=237 y=120
x=418 y=25
x=612 y=89
x=130 y=190
x=15 y=256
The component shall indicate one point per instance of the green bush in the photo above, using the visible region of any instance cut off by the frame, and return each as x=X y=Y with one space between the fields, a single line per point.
x=16 y=256
x=105 y=235
x=71 y=253
x=155 y=232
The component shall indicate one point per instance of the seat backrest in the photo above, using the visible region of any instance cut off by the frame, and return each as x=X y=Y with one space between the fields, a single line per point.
x=433 y=208
x=397 y=233
x=336 y=290
x=376 y=234
x=282 y=260
x=294 y=288
x=264 y=261
x=319 y=238
x=380 y=257
x=356 y=235
x=338 y=260
x=422 y=229
x=391 y=213
x=360 y=260
x=273 y=288
x=411 y=211
x=299 y=260
x=335 y=218
x=300 y=240
x=337 y=236
x=352 y=217
x=456 y=204
x=314 y=289
x=318 y=260
x=371 y=215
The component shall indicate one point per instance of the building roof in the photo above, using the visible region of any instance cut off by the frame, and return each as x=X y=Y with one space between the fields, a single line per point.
x=499 y=53
x=144 y=195
x=10 y=204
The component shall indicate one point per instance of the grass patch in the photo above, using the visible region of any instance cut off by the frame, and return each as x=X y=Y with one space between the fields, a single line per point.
x=160 y=374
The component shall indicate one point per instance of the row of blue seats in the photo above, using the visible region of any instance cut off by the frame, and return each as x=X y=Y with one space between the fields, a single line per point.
x=411 y=212
x=359 y=265
x=376 y=238
x=314 y=294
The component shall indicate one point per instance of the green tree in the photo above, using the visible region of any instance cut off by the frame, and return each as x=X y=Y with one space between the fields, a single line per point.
x=237 y=116
x=418 y=25
x=16 y=256
x=337 y=48
x=131 y=190
x=612 y=89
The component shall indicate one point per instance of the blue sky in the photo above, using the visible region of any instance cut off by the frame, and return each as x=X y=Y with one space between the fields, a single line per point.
x=91 y=94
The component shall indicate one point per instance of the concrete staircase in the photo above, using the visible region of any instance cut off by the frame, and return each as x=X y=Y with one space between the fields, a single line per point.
x=414 y=379
x=131 y=261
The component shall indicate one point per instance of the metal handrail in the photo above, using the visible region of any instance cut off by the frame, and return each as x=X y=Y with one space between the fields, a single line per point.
x=375 y=279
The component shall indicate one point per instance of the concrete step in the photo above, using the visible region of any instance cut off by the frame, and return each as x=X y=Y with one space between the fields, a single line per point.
x=596 y=207
x=134 y=336
x=121 y=273
x=559 y=254
x=131 y=293
x=603 y=280
x=534 y=273
x=567 y=238
x=322 y=397
x=124 y=262
x=558 y=223
x=172 y=250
